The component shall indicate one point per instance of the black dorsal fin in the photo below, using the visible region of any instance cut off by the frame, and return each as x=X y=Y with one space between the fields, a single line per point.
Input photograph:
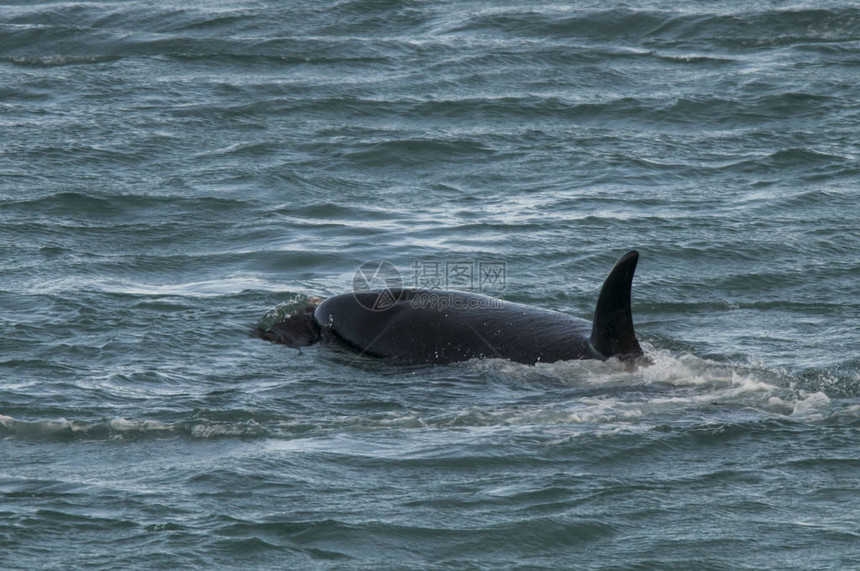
x=612 y=333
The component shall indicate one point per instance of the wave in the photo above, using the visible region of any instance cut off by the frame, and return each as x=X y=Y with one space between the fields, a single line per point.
x=587 y=397
x=75 y=34
x=758 y=28
x=113 y=204
x=477 y=111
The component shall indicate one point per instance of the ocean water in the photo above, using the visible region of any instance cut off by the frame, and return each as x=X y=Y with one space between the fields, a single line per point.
x=174 y=174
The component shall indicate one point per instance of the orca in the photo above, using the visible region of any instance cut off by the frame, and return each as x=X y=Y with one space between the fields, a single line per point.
x=434 y=326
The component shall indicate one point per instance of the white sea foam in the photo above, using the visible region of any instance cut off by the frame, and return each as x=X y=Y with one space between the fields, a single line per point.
x=614 y=399
x=124 y=425
x=672 y=382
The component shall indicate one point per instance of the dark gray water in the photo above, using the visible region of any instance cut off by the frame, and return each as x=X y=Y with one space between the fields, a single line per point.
x=169 y=174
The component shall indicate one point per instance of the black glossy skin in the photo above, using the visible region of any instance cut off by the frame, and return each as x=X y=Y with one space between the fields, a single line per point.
x=429 y=326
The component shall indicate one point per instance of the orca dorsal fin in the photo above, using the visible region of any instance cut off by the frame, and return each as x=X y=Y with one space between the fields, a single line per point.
x=612 y=333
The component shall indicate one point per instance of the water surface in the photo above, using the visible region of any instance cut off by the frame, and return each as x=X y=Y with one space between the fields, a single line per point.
x=169 y=174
